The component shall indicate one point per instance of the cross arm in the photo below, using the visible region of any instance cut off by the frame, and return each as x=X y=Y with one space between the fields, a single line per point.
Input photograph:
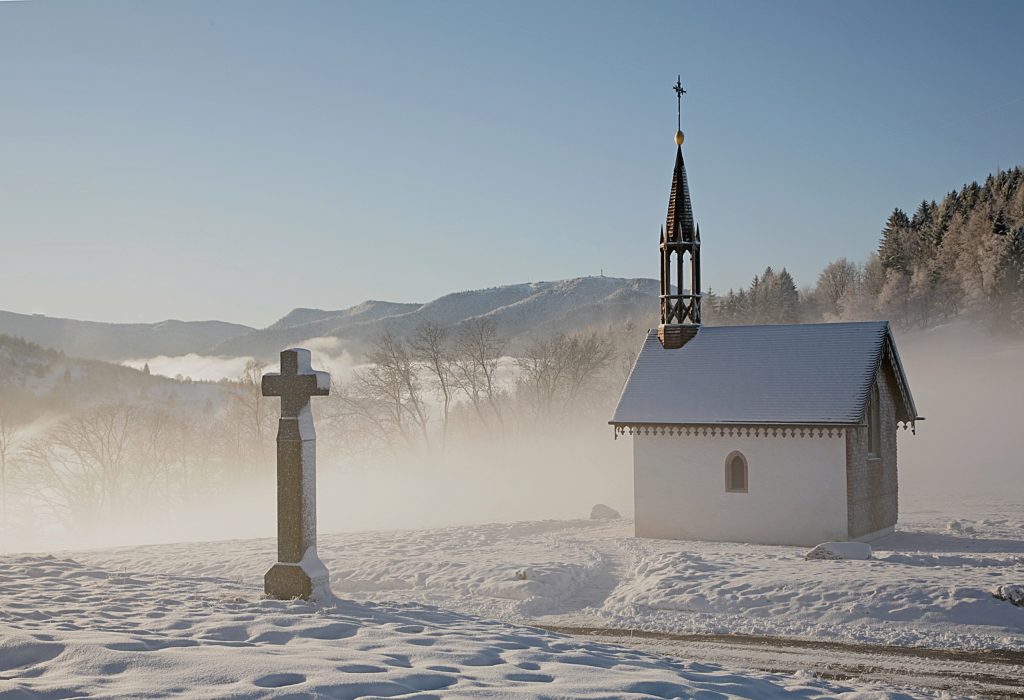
x=297 y=377
x=312 y=384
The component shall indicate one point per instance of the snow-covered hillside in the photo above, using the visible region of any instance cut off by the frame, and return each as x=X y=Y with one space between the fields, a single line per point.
x=117 y=341
x=41 y=380
x=519 y=311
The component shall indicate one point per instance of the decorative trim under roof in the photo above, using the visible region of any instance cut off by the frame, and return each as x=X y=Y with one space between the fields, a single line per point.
x=781 y=431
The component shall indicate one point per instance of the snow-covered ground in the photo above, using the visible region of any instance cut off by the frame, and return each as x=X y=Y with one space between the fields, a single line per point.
x=440 y=613
x=72 y=629
x=929 y=584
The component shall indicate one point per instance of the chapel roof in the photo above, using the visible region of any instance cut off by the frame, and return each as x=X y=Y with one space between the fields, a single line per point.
x=801 y=374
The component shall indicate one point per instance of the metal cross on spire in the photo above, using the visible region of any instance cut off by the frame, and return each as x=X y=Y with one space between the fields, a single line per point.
x=678 y=87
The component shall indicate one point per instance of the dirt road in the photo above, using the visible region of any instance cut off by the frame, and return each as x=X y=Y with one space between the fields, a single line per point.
x=986 y=673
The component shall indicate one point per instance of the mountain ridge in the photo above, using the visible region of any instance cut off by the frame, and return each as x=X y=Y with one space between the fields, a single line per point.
x=520 y=312
x=97 y=340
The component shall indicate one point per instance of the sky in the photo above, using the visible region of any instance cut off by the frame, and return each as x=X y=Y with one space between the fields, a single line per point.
x=236 y=159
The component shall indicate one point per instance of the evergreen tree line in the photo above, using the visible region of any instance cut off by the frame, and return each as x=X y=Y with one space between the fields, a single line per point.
x=962 y=254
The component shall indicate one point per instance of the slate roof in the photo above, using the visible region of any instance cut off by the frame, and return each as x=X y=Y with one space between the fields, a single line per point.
x=806 y=374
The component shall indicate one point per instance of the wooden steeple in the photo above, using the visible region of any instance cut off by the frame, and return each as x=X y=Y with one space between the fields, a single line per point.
x=680 y=254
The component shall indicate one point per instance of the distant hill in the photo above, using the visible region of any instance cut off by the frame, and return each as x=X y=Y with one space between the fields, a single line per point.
x=35 y=381
x=118 y=341
x=520 y=311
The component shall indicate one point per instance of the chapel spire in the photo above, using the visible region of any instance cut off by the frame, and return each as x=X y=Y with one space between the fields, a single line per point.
x=679 y=223
x=680 y=307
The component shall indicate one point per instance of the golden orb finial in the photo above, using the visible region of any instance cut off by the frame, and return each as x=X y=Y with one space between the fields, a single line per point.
x=679 y=138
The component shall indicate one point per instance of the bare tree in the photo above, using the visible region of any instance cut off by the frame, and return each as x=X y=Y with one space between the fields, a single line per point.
x=254 y=428
x=589 y=356
x=430 y=346
x=543 y=366
x=625 y=340
x=387 y=393
x=354 y=424
x=555 y=372
x=9 y=438
x=364 y=415
x=478 y=348
x=82 y=467
x=164 y=447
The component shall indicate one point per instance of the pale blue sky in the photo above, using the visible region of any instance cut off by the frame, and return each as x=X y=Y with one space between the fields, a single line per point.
x=233 y=160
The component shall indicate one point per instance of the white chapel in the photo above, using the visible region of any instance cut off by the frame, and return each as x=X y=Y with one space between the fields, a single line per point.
x=777 y=434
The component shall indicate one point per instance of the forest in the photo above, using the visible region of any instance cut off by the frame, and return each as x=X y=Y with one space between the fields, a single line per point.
x=964 y=253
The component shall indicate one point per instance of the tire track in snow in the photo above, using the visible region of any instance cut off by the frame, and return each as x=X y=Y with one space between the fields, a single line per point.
x=991 y=673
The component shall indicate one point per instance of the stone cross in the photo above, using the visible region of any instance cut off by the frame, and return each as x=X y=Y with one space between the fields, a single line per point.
x=298 y=573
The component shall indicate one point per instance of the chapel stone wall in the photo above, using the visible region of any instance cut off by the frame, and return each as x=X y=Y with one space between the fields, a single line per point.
x=872 y=485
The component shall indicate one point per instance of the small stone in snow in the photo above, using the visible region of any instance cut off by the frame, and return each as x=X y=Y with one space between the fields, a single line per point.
x=1011 y=593
x=959 y=528
x=840 y=550
x=603 y=512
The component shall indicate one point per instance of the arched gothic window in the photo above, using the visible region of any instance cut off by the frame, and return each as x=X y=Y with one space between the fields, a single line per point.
x=736 y=472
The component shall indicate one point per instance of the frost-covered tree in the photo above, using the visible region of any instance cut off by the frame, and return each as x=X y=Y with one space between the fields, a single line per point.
x=839 y=278
x=894 y=299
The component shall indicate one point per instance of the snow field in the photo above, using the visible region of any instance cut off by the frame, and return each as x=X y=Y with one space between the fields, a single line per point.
x=69 y=629
x=925 y=586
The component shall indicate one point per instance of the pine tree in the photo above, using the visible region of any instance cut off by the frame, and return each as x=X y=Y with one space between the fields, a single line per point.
x=761 y=296
x=741 y=307
x=709 y=304
x=999 y=225
x=923 y=215
x=892 y=248
x=789 y=298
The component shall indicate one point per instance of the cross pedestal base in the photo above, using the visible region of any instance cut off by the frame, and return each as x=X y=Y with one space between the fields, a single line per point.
x=308 y=579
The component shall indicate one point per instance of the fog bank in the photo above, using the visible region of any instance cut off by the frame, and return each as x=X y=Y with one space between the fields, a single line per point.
x=966 y=383
x=970 y=388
